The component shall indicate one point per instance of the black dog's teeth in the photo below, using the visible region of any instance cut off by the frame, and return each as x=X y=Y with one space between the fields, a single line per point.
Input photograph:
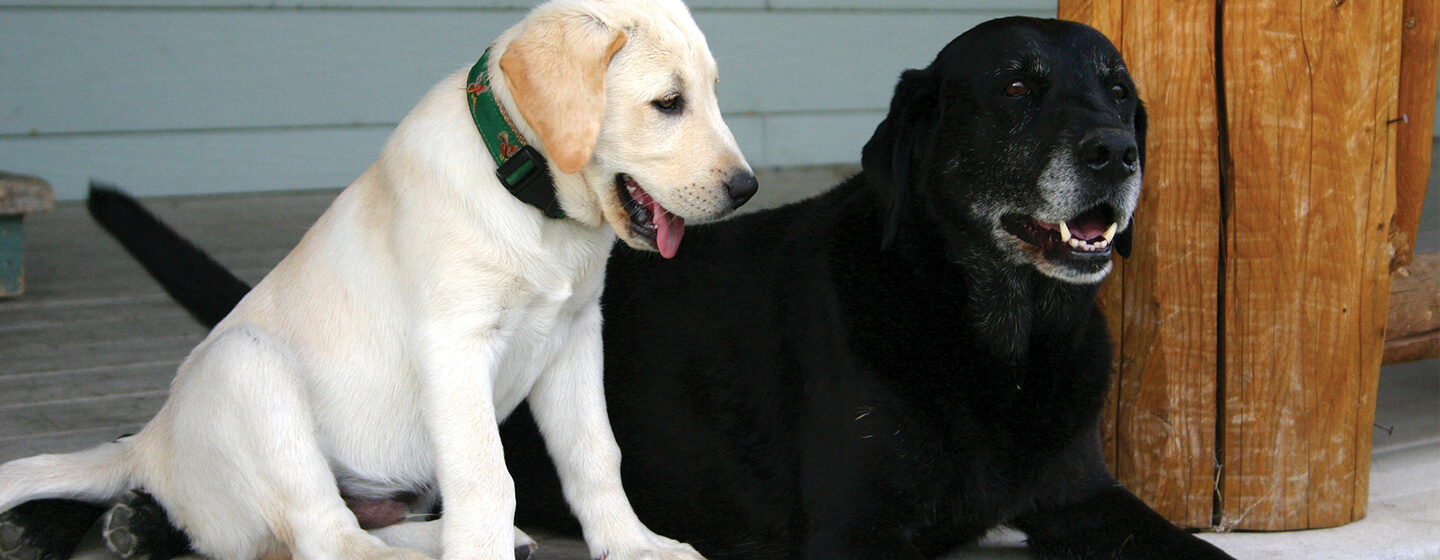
x=1086 y=245
x=1057 y=236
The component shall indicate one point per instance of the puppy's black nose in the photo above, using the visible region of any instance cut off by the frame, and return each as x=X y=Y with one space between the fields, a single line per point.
x=1110 y=152
x=741 y=186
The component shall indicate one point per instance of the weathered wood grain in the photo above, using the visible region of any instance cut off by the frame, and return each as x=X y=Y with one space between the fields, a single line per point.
x=23 y=194
x=61 y=442
x=19 y=195
x=12 y=255
x=85 y=383
x=1287 y=281
x=1161 y=303
x=1419 y=51
x=81 y=414
x=1310 y=89
x=1166 y=412
x=1412 y=329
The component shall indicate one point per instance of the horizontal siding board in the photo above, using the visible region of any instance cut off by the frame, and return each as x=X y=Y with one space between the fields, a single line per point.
x=101 y=71
x=112 y=71
x=168 y=164
x=392 y=5
x=796 y=62
x=696 y=5
x=819 y=139
x=212 y=96
x=279 y=160
x=749 y=132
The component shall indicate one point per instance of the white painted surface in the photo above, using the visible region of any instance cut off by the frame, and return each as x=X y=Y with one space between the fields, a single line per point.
x=208 y=96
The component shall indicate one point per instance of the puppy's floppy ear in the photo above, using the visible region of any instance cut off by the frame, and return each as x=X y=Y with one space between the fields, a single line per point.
x=897 y=157
x=1125 y=240
x=555 y=71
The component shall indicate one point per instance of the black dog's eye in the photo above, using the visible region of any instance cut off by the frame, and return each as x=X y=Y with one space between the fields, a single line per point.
x=1118 y=91
x=1017 y=88
x=669 y=105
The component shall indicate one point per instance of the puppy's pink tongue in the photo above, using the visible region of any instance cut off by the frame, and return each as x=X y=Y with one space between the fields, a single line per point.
x=669 y=228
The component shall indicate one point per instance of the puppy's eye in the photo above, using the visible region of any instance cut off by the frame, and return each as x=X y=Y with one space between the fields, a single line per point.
x=670 y=104
x=1118 y=91
x=1017 y=88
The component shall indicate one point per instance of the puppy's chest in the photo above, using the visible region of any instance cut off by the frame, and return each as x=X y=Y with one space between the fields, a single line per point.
x=540 y=325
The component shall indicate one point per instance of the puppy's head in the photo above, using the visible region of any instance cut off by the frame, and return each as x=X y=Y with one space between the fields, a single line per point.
x=1025 y=135
x=621 y=98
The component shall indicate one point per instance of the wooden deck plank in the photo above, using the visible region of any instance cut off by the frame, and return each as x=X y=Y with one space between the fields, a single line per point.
x=84 y=383
x=81 y=414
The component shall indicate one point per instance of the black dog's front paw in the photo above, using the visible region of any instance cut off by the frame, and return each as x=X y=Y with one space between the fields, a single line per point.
x=45 y=529
x=1111 y=525
x=137 y=528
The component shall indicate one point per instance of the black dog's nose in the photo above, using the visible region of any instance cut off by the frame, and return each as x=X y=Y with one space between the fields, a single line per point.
x=741 y=186
x=1110 y=152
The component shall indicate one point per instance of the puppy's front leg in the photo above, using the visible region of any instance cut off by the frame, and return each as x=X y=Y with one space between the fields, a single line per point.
x=457 y=386
x=568 y=402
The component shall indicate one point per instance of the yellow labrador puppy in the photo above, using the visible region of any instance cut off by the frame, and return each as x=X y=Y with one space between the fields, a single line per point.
x=433 y=297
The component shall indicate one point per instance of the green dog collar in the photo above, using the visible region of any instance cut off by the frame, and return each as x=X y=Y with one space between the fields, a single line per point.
x=518 y=166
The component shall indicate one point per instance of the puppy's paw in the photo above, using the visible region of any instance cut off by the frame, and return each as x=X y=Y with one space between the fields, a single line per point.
x=45 y=529
x=137 y=528
x=524 y=546
x=658 y=548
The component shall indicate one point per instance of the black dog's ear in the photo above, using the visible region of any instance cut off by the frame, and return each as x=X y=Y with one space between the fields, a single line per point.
x=1126 y=239
x=1142 y=121
x=898 y=154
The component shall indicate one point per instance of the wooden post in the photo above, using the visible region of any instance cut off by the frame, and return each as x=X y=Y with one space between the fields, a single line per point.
x=1311 y=93
x=1412 y=328
x=1419 y=45
x=1251 y=319
x=1160 y=430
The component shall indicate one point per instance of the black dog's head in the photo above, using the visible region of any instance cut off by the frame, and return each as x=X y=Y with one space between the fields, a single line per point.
x=1025 y=133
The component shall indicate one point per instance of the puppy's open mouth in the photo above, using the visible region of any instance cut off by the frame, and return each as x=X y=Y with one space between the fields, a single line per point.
x=1088 y=234
x=649 y=220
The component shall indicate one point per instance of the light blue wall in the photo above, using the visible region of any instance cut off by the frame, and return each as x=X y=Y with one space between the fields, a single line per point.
x=208 y=96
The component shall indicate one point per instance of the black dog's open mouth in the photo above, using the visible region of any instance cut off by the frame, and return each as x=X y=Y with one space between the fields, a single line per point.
x=648 y=219
x=1088 y=234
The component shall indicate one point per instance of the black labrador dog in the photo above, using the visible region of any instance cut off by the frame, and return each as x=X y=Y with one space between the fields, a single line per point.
x=891 y=369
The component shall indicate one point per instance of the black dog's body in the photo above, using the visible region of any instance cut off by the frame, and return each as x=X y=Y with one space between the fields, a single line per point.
x=878 y=372
x=840 y=401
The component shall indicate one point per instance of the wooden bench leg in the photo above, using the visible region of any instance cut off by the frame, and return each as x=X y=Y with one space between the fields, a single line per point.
x=12 y=256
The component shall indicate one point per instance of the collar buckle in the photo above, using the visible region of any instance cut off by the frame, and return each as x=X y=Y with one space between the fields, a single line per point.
x=527 y=178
